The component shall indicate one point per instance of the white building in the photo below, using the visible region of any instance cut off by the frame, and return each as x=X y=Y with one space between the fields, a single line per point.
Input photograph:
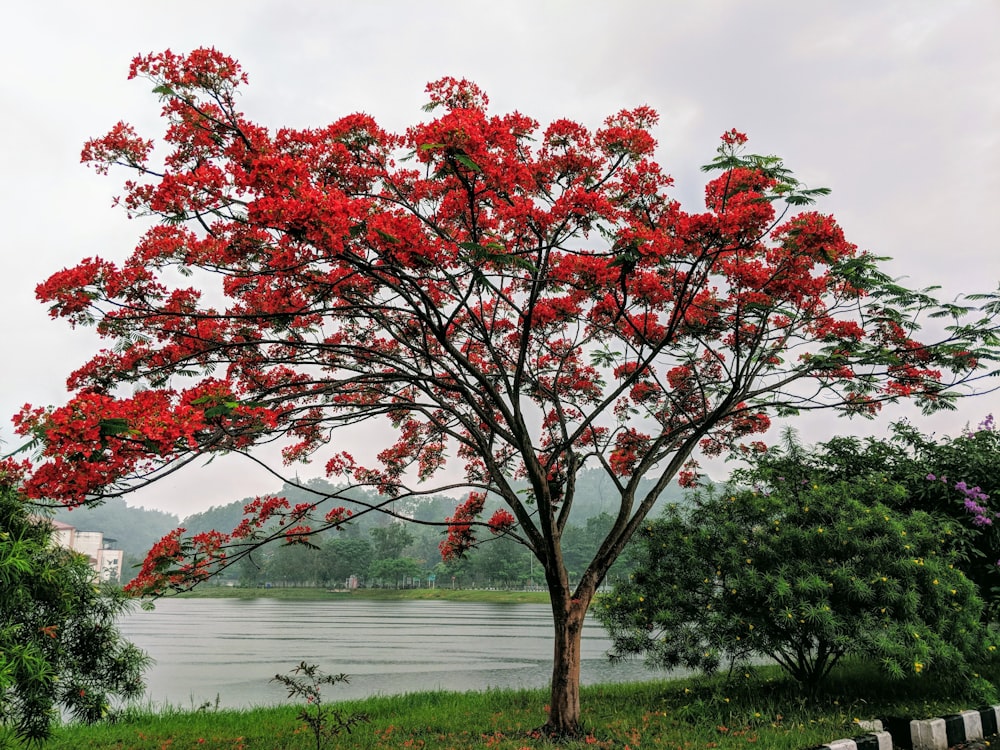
x=107 y=563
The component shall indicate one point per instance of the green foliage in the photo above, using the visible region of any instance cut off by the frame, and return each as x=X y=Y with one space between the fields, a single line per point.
x=396 y=571
x=325 y=722
x=390 y=541
x=341 y=557
x=953 y=478
x=59 y=647
x=804 y=574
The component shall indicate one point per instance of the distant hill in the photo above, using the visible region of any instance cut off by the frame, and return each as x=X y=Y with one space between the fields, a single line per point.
x=595 y=495
x=133 y=529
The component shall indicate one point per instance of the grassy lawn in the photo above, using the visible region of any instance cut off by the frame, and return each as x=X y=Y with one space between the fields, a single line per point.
x=757 y=709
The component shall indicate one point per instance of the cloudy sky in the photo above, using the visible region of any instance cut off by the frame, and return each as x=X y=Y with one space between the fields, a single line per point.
x=895 y=105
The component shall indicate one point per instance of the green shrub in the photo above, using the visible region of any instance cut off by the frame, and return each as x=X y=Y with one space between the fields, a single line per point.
x=804 y=574
x=950 y=477
x=59 y=646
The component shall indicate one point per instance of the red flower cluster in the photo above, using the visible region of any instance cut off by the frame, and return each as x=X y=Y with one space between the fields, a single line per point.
x=501 y=522
x=460 y=534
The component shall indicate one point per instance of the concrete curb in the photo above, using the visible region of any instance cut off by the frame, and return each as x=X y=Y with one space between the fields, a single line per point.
x=926 y=734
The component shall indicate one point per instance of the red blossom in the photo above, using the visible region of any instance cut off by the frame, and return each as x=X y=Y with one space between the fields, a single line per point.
x=501 y=521
x=733 y=137
x=460 y=534
x=336 y=516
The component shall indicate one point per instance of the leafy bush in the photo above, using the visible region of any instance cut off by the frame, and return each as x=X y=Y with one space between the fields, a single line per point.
x=949 y=477
x=804 y=574
x=59 y=647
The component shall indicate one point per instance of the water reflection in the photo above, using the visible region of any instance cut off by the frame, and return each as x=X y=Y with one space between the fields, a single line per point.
x=231 y=648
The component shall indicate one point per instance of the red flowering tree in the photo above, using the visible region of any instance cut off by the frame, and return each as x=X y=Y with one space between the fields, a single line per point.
x=513 y=302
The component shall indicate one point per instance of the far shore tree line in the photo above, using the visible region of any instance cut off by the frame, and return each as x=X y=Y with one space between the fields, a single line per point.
x=379 y=551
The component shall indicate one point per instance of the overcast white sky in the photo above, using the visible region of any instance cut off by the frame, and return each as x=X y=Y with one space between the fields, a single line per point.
x=893 y=105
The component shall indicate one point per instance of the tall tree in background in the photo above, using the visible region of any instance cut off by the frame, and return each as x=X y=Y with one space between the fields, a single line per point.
x=513 y=302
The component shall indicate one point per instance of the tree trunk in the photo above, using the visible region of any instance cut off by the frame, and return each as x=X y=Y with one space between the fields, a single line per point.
x=564 y=708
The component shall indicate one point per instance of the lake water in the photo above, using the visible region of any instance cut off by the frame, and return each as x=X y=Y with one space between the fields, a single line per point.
x=230 y=648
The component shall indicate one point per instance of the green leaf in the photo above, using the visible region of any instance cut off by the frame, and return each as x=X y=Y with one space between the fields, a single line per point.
x=113 y=426
x=467 y=162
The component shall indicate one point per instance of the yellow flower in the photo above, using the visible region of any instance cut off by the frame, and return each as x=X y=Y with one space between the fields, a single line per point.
x=917 y=666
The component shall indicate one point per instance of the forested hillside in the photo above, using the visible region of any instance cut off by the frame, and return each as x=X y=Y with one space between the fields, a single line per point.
x=380 y=550
x=594 y=495
x=376 y=548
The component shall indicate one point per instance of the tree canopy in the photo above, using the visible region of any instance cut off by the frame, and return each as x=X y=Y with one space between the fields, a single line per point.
x=513 y=302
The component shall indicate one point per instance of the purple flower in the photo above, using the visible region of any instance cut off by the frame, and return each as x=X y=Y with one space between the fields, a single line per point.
x=931 y=477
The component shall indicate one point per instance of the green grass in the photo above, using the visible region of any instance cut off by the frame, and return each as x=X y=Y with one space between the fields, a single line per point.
x=757 y=709
x=313 y=594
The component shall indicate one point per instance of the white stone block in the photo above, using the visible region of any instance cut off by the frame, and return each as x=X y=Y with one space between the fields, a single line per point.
x=973 y=725
x=929 y=734
x=842 y=745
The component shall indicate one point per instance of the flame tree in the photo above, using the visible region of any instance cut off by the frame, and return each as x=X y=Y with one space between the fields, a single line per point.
x=513 y=302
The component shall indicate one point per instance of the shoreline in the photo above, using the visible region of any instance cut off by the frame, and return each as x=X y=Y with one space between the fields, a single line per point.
x=324 y=594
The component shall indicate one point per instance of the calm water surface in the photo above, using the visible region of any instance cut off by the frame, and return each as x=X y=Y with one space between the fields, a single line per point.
x=231 y=648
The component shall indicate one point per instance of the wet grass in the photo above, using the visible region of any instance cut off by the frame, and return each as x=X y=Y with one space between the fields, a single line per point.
x=754 y=709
